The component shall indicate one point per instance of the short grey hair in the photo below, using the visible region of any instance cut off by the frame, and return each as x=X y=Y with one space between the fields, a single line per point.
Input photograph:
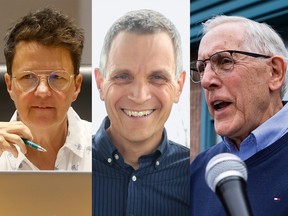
x=260 y=37
x=142 y=22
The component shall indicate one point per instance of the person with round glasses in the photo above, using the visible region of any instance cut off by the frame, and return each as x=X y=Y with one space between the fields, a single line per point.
x=43 y=54
x=242 y=68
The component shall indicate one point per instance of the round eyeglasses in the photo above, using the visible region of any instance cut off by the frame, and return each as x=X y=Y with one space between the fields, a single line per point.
x=221 y=62
x=28 y=80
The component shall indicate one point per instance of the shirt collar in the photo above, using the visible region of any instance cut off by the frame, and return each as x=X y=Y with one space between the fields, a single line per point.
x=272 y=129
x=263 y=136
x=74 y=139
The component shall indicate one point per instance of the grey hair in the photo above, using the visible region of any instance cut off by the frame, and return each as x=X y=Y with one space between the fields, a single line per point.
x=142 y=22
x=260 y=37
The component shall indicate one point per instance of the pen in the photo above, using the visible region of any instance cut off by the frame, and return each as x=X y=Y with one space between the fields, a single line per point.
x=34 y=145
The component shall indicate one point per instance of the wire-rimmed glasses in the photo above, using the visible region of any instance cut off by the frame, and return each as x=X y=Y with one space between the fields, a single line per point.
x=58 y=80
x=221 y=62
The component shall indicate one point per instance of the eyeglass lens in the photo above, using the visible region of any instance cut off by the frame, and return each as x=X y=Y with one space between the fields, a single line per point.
x=57 y=80
x=220 y=62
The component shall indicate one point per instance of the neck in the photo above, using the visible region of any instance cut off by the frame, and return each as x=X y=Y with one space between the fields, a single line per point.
x=270 y=111
x=52 y=139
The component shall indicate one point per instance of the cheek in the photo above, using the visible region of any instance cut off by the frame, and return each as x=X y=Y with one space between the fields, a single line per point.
x=250 y=99
x=108 y=89
x=167 y=94
x=15 y=93
x=111 y=94
x=19 y=97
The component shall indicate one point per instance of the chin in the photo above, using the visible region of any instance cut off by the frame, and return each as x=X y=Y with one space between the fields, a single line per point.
x=137 y=137
x=42 y=123
x=222 y=130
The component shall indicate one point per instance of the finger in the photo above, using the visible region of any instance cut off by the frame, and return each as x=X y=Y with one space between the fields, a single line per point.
x=5 y=146
x=11 y=139
x=16 y=127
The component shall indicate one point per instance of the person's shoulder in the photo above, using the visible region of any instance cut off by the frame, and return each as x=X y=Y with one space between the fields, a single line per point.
x=177 y=150
x=178 y=147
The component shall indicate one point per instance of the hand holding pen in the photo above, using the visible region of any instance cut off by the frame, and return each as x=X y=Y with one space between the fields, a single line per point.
x=12 y=133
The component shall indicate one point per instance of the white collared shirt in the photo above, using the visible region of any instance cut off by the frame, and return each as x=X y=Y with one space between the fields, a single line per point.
x=74 y=155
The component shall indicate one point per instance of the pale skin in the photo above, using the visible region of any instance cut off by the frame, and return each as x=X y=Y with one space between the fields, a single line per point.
x=252 y=89
x=42 y=112
x=139 y=90
x=11 y=132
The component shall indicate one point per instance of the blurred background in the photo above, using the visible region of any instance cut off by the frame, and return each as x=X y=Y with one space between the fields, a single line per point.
x=80 y=11
x=272 y=12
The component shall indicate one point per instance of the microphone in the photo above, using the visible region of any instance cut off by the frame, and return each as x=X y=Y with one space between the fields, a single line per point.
x=226 y=174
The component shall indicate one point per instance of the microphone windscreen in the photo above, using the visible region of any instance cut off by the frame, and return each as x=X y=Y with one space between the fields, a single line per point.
x=222 y=166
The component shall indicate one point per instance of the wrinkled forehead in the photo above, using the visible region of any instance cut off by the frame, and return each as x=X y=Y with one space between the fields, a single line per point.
x=228 y=36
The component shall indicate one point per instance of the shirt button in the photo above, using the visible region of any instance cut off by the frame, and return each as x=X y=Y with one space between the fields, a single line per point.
x=109 y=160
x=134 y=178
x=116 y=156
x=157 y=163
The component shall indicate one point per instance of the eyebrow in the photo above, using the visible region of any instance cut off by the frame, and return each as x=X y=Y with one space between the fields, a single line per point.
x=156 y=71
x=118 y=71
x=163 y=72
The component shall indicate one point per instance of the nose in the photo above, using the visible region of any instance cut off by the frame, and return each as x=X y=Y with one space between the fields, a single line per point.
x=140 y=92
x=43 y=89
x=210 y=80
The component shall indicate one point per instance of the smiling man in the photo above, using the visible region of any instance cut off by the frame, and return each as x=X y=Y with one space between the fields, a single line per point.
x=242 y=69
x=136 y=169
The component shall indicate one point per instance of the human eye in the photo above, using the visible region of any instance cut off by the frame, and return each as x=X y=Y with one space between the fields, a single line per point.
x=200 y=67
x=27 y=76
x=223 y=61
x=159 y=78
x=121 y=77
x=26 y=80
x=57 y=76
x=59 y=79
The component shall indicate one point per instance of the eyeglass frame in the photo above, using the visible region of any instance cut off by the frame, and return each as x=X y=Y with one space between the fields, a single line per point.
x=255 y=55
x=47 y=75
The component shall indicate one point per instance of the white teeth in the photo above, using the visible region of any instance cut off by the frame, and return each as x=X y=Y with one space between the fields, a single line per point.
x=217 y=102
x=138 y=114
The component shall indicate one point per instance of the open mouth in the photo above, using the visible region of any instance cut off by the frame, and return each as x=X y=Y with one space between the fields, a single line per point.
x=219 y=105
x=138 y=114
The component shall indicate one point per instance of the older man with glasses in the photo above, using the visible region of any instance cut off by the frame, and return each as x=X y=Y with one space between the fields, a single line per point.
x=43 y=54
x=242 y=69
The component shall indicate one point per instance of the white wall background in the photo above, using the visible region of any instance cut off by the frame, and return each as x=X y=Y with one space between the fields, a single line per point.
x=104 y=13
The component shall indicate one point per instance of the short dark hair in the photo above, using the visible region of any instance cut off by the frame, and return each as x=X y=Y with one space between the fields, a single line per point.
x=48 y=27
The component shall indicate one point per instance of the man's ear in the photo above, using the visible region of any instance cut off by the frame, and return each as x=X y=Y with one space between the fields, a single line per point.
x=8 y=81
x=180 y=84
x=278 y=72
x=99 y=82
x=78 y=84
